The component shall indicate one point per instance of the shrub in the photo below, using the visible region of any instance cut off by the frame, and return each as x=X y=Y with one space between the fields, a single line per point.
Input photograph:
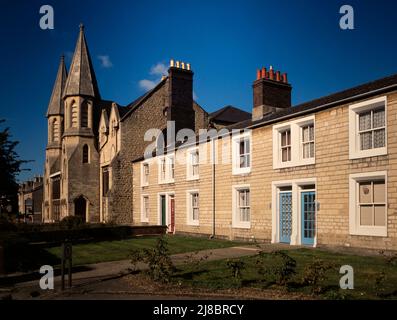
x=6 y=224
x=195 y=259
x=314 y=273
x=379 y=283
x=236 y=266
x=158 y=260
x=72 y=222
x=283 y=267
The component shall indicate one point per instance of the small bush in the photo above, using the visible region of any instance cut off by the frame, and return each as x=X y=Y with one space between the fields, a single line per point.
x=236 y=266
x=283 y=267
x=158 y=260
x=6 y=224
x=379 y=283
x=314 y=273
x=72 y=222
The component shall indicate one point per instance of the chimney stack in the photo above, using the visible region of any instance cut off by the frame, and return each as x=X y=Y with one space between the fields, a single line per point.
x=180 y=90
x=272 y=93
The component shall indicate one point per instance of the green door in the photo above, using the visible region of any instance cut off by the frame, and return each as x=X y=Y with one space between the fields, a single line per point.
x=163 y=211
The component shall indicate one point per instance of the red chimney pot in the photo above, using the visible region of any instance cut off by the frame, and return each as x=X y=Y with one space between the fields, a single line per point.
x=258 y=74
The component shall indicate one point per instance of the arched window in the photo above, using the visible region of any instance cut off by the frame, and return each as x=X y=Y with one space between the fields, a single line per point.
x=74 y=115
x=84 y=114
x=86 y=155
x=55 y=131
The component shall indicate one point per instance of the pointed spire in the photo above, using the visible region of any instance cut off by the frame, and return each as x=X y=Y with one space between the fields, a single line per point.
x=81 y=79
x=55 y=107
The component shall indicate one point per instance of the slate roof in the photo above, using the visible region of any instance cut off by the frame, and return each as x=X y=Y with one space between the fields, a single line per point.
x=55 y=106
x=229 y=114
x=345 y=96
x=81 y=79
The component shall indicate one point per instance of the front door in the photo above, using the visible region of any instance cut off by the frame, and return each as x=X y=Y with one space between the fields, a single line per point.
x=163 y=210
x=308 y=209
x=172 y=209
x=285 y=213
x=80 y=208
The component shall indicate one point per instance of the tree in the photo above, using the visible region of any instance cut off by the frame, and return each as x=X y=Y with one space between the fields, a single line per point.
x=10 y=167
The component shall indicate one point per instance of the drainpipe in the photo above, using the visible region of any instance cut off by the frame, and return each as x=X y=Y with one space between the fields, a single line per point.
x=213 y=189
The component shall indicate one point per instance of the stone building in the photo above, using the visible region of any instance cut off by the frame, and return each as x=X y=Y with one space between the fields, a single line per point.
x=30 y=199
x=322 y=173
x=91 y=141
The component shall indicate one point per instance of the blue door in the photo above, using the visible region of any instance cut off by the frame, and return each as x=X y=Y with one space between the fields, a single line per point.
x=308 y=209
x=285 y=216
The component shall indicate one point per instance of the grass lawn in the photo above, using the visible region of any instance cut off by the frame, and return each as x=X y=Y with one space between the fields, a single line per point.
x=121 y=249
x=217 y=275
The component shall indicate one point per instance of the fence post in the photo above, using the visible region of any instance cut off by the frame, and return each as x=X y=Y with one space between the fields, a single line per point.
x=2 y=260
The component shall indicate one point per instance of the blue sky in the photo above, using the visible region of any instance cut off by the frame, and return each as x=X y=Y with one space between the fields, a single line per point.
x=225 y=41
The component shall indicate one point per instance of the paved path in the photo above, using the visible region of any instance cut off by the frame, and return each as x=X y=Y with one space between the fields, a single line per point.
x=120 y=268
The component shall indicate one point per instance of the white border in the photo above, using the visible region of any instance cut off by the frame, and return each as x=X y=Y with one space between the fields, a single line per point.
x=296 y=143
x=354 y=144
x=189 y=213
x=354 y=223
x=236 y=223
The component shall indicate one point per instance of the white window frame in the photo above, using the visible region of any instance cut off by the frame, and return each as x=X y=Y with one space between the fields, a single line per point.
x=303 y=143
x=189 y=207
x=354 y=139
x=144 y=216
x=236 y=153
x=189 y=164
x=168 y=178
x=354 y=218
x=143 y=182
x=295 y=127
x=236 y=222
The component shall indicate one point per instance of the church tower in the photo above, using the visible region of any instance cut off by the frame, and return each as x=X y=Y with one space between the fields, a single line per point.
x=55 y=118
x=79 y=155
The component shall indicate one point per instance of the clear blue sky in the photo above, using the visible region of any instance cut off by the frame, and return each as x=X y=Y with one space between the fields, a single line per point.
x=225 y=41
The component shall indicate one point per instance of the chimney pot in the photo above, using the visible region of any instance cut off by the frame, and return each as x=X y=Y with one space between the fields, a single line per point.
x=172 y=62
x=177 y=64
x=285 y=78
x=264 y=73
x=278 y=76
x=271 y=73
x=188 y=66
x=258 y=74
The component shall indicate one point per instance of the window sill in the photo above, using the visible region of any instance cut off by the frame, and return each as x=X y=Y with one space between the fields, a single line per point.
x=238 y=171
x=167 y=182
x=368 y=153
x=290 y=164
x=192 y=178
x=144 y=220
x=370 y=231
x=193 y=223
x=241 y=225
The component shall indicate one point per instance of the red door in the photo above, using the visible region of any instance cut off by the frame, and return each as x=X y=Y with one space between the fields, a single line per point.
x=172 y=205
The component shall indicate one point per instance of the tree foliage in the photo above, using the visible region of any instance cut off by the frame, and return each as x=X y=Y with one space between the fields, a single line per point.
x=10 y=167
